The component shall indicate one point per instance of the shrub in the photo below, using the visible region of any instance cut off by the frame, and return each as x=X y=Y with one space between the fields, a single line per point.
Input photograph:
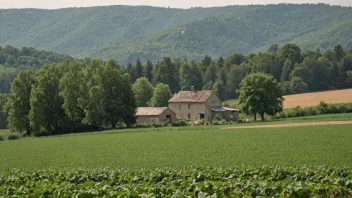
x=179 y=123
x=13 y=137
x=157 y=125
x=216 y=122
x=42 y=134
x=141 y=126
x=2 y=138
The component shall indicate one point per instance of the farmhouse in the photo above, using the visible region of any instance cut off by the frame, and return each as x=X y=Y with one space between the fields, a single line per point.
x=197 y=105
x=150 y=115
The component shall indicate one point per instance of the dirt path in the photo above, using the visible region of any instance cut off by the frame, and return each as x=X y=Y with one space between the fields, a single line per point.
x=292 y=125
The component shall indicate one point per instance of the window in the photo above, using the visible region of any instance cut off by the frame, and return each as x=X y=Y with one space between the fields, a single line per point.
x=189 y=116
x=201 y=116
x=189 y=106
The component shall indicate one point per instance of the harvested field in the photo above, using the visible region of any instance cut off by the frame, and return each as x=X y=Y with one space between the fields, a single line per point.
x=292 y=125
x=313 y=99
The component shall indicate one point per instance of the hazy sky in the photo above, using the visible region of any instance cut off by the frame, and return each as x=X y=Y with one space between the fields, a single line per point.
x=163 y=3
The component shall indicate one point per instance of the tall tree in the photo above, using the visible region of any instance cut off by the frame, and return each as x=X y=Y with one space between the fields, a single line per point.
x=161 y=96
x=190 y=75
x=260 y=93
x=3 y=118
x=18 y=106
x=148 y=71
x=234 y=78
x=205 y=63
x=168 y=74
x=210 y=74
x=139 y=69
x=219 y=89
x=143 y=91
x=286 y=70
x=46 y=112
x=71 y=90
x=290 y=51
x=339 y=53
x=220 y=63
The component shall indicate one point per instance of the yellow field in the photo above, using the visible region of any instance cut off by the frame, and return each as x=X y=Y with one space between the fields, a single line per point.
x=313 y=99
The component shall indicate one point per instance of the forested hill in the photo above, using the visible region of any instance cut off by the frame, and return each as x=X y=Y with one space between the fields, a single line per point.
x=128 y=32
x=13 y=60
x=310 y=26
x=81 y=31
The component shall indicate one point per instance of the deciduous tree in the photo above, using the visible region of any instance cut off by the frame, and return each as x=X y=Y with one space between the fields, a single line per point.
x=260 y=93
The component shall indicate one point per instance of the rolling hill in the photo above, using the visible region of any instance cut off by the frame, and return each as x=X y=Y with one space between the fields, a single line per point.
x=128 y=32
x=251 y=32
x=80 y=31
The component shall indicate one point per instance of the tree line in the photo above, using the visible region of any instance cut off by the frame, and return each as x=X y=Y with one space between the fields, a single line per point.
x=70 y=97
x=88 y=95
x=297 y=71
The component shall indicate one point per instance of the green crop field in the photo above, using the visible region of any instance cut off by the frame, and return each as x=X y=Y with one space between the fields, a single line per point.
x=189 y=146
x=187 y=161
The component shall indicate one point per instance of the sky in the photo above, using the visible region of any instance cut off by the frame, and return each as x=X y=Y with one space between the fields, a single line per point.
x=53 y=4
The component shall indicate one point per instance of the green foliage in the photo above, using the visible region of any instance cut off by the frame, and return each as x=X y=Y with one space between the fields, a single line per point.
x=3 y=119
x=17 y=106
x=260 y=93
x=161 y=96
x=242 y=29
x=297 y=85
x=143 y=90
x=196 y=182
x=219 y=89
x=187 y=146
x=179 y=123
x=13 y=137
x=2 y=138
x=322 y=108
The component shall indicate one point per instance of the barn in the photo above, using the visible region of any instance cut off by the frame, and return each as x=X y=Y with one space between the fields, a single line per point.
x=150 y=115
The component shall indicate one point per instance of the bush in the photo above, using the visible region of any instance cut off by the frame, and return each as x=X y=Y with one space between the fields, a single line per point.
x=2 y=138
x=141 y=126
x=13 y=137
x=179 y=123
x=157 y=125
x=322 y=108
x=216 y=122
x=42 y=134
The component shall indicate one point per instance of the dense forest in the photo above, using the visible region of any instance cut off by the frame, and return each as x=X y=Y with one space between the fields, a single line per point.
x=13 y=60
x=128 y=32
x=78 y=96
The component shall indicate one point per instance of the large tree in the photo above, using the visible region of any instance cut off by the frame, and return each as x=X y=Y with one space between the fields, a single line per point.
x=111 y=98
x=3 y=121
x=71 y=90
x=290 y=51
x=139 y=69
x=46 y=112
x=18 y=106
x=161 y=96
x=260 y=93
x=143 y=91
x=190 y=75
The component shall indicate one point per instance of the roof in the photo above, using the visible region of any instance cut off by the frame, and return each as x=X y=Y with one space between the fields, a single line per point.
x=217 y=109
x=150 y=111
x=222 y=109
x=230 y=109
x=188 y=96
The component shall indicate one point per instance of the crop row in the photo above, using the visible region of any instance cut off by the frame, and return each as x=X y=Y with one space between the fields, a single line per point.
x=179 y=182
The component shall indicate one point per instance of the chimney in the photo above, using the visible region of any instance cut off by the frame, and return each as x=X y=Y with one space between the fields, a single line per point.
x=192 y=89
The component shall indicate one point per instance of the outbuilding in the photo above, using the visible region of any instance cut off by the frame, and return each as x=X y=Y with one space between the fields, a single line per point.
x=150 y=115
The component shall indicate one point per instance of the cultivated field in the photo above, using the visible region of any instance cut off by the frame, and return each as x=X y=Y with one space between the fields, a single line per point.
x=207 y=161
x=186 y=146
x=313 y=99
